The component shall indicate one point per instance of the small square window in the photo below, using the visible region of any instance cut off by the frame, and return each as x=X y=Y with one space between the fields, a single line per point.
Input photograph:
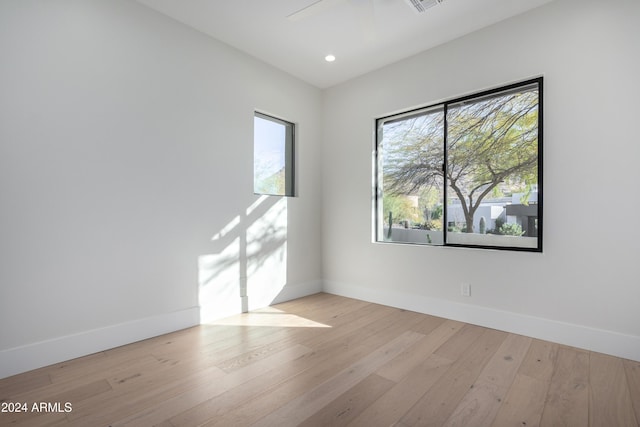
x=273 y=156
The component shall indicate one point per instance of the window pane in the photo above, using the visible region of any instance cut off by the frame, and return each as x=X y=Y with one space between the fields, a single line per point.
x=410 y=182
x=465 y=172
x=492 y=170
x=272 y=156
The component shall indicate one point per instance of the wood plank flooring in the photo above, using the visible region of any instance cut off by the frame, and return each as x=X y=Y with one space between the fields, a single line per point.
x=326 y=360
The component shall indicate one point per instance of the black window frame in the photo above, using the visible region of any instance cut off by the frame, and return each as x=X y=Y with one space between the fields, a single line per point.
x=289 y=154
x=378 y=216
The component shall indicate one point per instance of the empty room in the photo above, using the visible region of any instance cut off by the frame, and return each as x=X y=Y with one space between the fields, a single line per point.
x=319 y=213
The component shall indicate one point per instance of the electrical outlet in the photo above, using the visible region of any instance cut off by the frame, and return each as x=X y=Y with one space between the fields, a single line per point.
x=465 y=289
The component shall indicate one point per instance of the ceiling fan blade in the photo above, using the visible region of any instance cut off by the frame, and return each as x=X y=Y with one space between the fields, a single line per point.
x=313 y=9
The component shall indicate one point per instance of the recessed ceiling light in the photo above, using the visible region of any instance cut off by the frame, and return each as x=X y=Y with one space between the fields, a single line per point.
x=329 y=58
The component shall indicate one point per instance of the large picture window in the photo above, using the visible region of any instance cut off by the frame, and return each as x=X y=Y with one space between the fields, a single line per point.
x=466 y=172
x=273 y=156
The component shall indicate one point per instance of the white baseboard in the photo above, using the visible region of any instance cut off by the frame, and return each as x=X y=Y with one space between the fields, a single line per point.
x=598 y=340
x=214 y=307
x=36 y=355
x=32 y=356
x=300 y=290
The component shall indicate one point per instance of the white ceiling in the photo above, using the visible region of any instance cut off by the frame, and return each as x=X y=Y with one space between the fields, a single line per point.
x=363 y=34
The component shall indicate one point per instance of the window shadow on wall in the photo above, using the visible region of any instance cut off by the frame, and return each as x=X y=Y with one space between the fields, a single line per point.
x=247 y=267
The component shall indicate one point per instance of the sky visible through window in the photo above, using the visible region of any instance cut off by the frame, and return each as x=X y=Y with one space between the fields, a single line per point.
x=269 y=156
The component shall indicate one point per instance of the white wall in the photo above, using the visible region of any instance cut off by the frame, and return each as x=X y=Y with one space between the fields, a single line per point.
x=584 y=288
x=125 y=146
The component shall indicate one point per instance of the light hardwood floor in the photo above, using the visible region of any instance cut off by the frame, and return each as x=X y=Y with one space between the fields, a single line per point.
x=326 y=360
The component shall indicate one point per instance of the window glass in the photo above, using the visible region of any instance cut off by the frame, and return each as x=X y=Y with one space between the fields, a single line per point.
x=465 y=172
x=272 y=156
x=411 y=182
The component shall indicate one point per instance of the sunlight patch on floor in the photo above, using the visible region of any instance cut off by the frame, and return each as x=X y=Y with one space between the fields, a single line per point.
x=269 y=317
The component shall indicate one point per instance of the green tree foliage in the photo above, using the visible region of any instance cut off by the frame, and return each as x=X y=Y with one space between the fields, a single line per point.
x=271 y=184
x=401 y=207
x=511 y=230
x=489 y=142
